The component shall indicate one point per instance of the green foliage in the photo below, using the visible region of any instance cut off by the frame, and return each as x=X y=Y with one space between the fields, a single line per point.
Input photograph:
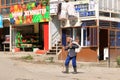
x=28 y=57
x=50 y=59
x=118 y=60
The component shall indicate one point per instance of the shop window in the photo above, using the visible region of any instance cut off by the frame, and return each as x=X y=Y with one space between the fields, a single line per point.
x=115 y=38
x=19 y=1
x=105 y=14
x=28 y=37
x=26 y=1
x=6 y=31
x=112 y=38
x=90 y=36
x=7 y=2
x=89 y=23
x=104 y=23
x=66 y=33
x=5 y=11
x=13 y=1
x=32 y=0
x=3 y=2
x=114 y=24
x=118 y=39
x=78 y=34
x=115 y=15
x=37 y=0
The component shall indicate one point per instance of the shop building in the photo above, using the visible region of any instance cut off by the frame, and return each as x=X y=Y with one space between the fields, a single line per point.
x=28 y=24
x=99 y=33
x=97 y=26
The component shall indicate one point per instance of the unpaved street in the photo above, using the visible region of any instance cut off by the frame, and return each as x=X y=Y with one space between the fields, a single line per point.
x=17 y=70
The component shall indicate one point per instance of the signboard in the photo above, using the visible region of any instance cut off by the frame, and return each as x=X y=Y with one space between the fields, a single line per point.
x=85 y=8
x=53 y=8
x=1 y=21
x=87 y=13
x=29 y=13
x=81 y=1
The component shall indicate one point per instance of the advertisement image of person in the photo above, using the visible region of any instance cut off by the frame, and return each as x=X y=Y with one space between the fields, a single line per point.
x=71 y=55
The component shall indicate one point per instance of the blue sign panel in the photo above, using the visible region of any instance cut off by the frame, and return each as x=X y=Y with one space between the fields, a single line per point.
x=87 y=13
x=1 y=22
x=83 y=10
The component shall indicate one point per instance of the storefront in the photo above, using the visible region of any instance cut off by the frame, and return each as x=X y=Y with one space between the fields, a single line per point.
x=99 y=34
x=88 y=39
x=85 y=28
x=4 y=34
x=30 y=26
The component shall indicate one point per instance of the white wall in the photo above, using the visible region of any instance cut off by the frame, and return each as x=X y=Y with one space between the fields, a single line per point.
x=54 y=26
x=110 y=5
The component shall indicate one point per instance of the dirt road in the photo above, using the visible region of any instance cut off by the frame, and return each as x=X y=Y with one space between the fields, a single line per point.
x=17 y=70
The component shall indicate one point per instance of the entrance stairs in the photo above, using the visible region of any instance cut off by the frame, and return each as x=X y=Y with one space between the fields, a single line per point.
x=53 y=53
x=56 y=49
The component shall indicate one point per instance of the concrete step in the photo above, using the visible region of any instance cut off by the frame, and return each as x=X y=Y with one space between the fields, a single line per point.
x=59 y=47
x=51 y=53
x=54 y=50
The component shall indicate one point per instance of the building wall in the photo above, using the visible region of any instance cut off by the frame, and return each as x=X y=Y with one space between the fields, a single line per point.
x=54 y=28
x=114 y=53
x=86 y=54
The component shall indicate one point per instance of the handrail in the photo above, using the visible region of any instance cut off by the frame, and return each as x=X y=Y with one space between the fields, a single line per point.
x=55 y=38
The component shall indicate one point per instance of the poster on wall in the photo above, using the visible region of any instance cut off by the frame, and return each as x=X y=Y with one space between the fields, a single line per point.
x=29 y=13
x=1 y=21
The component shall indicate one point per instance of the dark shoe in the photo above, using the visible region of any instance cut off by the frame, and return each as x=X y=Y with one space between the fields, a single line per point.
x=75 y=70
x=67 y=70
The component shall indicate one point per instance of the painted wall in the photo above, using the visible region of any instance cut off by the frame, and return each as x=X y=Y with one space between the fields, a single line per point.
x=85 y=55
x=54 y=26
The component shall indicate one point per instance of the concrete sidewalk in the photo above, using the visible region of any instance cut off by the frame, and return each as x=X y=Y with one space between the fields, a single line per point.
x=22 y=70
x=46 y=58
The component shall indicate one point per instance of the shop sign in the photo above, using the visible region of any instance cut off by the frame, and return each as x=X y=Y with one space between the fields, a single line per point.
x=85 y=9
x=29 y=13
x=1 y=21
x=53 y=8
x=87 y=13
x=82 y=1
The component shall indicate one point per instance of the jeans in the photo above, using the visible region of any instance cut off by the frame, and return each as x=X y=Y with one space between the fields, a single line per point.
x=68 y=60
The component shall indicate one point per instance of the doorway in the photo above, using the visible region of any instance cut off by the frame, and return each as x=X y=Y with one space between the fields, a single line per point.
x=66 y=32
x=103 y=42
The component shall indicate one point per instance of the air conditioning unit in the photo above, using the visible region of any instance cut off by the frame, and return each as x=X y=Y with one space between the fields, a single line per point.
x=71 y=22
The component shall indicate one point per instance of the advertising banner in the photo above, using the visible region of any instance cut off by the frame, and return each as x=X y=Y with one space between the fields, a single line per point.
x=1 y=21
x=29 y=13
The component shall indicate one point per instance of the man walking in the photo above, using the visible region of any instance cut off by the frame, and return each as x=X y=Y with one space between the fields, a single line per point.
x=71 y=55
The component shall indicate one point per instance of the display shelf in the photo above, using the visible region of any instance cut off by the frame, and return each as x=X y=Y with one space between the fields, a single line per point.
x=18 y=40
x=29 y=41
